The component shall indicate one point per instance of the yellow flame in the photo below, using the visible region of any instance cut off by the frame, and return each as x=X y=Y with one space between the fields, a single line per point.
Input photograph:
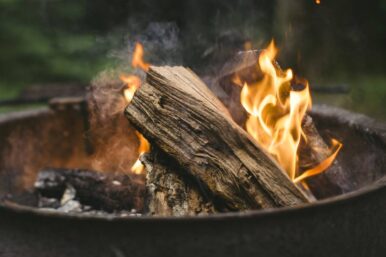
x=132 y=84
x=144 y=147
x=276 y=113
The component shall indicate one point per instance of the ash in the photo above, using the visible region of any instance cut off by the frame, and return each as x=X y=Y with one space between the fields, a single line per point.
x=88 y=192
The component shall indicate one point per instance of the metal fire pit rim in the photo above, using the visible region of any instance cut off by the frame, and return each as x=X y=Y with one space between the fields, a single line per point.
x=352 y=119
x=355 y=120
x=14 y=209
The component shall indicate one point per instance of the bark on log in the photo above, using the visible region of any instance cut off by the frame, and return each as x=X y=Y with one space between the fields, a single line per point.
x=169 y=189
x=177 y=112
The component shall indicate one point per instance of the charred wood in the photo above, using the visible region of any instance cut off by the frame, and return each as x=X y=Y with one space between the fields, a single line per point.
x=109 y=192
x=245 y=67
x=312 y=152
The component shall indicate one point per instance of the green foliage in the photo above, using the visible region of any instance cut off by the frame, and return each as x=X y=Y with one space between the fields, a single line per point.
x=57 y=40
x=368 y=95
x=45 y=41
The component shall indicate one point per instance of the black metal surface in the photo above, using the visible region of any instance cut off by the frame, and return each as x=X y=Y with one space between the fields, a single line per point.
x=349 y=225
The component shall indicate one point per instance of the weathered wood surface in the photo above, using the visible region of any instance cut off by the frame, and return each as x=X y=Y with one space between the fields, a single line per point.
x=177 y=112
x=169 y=189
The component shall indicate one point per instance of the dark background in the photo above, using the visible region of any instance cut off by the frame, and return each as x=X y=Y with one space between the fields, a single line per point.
x=338 y=43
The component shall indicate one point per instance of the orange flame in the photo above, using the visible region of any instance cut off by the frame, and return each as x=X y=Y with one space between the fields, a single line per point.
x=276 y=113
x=321 y=166
x=133 y=83
x=144 y=147
x=137 y=61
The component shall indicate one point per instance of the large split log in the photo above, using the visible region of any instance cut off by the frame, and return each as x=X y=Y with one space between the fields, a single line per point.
x=177 y=112
x=170 y=191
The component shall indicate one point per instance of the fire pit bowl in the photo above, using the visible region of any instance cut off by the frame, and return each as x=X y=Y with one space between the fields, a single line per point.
x=352 y=224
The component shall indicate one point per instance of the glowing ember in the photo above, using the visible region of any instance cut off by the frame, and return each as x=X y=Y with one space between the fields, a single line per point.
x=276 y=112
x=133 y=83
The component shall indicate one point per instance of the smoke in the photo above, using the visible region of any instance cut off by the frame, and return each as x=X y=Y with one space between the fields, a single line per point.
x=113 y=139
x=161 y=41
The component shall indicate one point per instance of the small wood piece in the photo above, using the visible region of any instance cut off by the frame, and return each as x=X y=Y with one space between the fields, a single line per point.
x=109 y=192
x=177 y=112
x=169 y=190
x=313 y=152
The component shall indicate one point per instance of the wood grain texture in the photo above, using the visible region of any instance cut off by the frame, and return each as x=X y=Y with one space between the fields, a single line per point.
x=176 y=111
x=169 y=190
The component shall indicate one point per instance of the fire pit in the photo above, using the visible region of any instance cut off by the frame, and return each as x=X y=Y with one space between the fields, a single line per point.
x=347 y=225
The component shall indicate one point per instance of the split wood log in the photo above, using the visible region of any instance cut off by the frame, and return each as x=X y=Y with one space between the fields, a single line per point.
x=177 y=112
x=169 y=190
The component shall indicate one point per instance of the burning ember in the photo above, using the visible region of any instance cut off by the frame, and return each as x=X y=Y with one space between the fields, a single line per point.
x=276 y=110
x=133 y=82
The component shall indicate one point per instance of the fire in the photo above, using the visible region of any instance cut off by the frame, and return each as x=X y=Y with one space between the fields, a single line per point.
x=144 y=147
x=137 y=61
x=276 y=111
x=323 y=165
x=317 y=1
x=133 y=82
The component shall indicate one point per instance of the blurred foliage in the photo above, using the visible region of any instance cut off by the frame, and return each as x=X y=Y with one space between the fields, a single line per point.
x=71 y=40
x=367 y=95
x=44 y=41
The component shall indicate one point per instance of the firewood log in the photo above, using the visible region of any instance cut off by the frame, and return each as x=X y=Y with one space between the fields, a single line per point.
x=177 y=112
x=109 y=192
x=170 y=191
